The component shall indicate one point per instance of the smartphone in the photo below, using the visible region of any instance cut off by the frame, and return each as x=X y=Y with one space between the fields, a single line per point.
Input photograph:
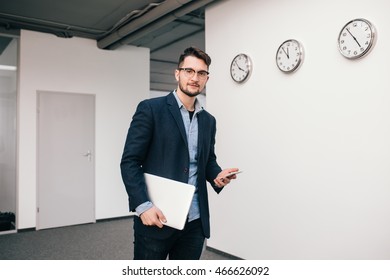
x=233 y=173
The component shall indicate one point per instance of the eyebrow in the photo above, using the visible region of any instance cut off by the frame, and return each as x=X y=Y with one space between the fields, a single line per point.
x=189 y=68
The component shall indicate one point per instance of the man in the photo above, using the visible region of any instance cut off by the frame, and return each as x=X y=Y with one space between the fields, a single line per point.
x=173 y=137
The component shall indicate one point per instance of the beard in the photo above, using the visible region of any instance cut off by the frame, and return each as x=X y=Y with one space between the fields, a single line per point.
x=187 y=92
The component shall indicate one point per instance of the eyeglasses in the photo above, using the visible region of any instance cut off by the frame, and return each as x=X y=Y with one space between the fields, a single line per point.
x=189 y=73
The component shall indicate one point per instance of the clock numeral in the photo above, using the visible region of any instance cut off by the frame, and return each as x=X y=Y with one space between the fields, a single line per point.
x=356 y=38
x=289 y=56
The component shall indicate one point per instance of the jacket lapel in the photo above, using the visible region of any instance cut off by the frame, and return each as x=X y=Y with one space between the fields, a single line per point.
x=175 y=111
x=201 y=130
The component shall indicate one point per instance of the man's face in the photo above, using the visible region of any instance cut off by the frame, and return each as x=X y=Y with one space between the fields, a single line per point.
x=191 y=85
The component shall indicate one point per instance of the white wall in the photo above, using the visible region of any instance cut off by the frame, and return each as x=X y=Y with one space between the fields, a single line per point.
x=314 y=145
x=119 y=79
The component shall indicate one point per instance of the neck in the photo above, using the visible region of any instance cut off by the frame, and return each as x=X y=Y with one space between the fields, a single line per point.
x=188 y=102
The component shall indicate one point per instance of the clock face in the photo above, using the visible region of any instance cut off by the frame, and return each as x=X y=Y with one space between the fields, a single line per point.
x=240 y=68
x=356 y=38
x=289 y=56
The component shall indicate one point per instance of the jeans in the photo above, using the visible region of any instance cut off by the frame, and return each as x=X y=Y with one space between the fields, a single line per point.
x=186 y=244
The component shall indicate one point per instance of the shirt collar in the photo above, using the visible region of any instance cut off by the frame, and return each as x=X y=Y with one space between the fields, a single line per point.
x=197 y=105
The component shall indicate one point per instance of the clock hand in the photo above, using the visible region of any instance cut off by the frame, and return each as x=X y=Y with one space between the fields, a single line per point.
x=286 y=52
x=353 y=37
x=239 y=66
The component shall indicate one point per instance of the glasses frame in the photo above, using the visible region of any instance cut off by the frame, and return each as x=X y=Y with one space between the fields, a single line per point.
x=194 y=72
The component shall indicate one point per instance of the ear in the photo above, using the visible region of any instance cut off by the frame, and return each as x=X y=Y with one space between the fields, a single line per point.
x=177 y=73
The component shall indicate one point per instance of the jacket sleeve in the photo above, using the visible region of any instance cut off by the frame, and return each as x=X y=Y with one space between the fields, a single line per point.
x=212 y=167
x=136 y=147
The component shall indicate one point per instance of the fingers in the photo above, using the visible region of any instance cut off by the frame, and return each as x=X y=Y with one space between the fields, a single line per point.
x=153 y=217
x=221 y=181
x=224 y=178
x=161 y=216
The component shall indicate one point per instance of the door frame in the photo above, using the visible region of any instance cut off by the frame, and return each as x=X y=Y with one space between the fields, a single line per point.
x=93 y=191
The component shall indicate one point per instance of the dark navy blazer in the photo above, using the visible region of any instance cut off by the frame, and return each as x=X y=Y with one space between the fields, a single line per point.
x=157 y=143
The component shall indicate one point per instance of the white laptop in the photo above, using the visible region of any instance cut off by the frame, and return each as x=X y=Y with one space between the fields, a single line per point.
x=173 y=198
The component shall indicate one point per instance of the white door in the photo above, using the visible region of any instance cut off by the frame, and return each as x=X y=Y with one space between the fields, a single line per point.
x=66 y=162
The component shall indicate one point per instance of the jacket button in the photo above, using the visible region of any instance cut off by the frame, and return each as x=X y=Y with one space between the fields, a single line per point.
x=186 y=170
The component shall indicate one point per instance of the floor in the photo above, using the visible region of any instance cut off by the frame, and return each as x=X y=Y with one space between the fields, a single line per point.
x=104 y=240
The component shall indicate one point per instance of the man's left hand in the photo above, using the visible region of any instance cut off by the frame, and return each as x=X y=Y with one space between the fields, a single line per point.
x=223 y=177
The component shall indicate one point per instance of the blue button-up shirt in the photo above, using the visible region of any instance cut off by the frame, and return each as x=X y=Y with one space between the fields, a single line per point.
x=191 y=127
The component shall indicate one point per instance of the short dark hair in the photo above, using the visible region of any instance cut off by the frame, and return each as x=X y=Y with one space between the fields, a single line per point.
x=198 y=53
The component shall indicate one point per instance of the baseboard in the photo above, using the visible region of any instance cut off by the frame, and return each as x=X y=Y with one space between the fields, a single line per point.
x=115 y=219
x=26 y=229
x=221 y=253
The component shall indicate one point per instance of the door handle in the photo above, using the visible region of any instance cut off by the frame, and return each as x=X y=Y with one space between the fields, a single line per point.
x=89 y=155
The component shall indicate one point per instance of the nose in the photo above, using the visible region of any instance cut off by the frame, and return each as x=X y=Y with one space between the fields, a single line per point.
x=195 y=76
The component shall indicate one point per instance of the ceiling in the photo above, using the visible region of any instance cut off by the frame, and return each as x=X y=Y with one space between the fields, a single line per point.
x=165 y=27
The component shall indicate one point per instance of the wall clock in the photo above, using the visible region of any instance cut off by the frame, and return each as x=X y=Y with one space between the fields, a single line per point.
x=356 y=38
x=289 y=56
x=240 y=68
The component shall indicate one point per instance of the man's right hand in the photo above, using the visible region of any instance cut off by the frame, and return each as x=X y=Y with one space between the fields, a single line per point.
x=153 y=217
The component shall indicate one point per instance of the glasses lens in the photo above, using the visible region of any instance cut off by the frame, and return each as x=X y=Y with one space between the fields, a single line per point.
x=202 y=74
x=189 y=73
